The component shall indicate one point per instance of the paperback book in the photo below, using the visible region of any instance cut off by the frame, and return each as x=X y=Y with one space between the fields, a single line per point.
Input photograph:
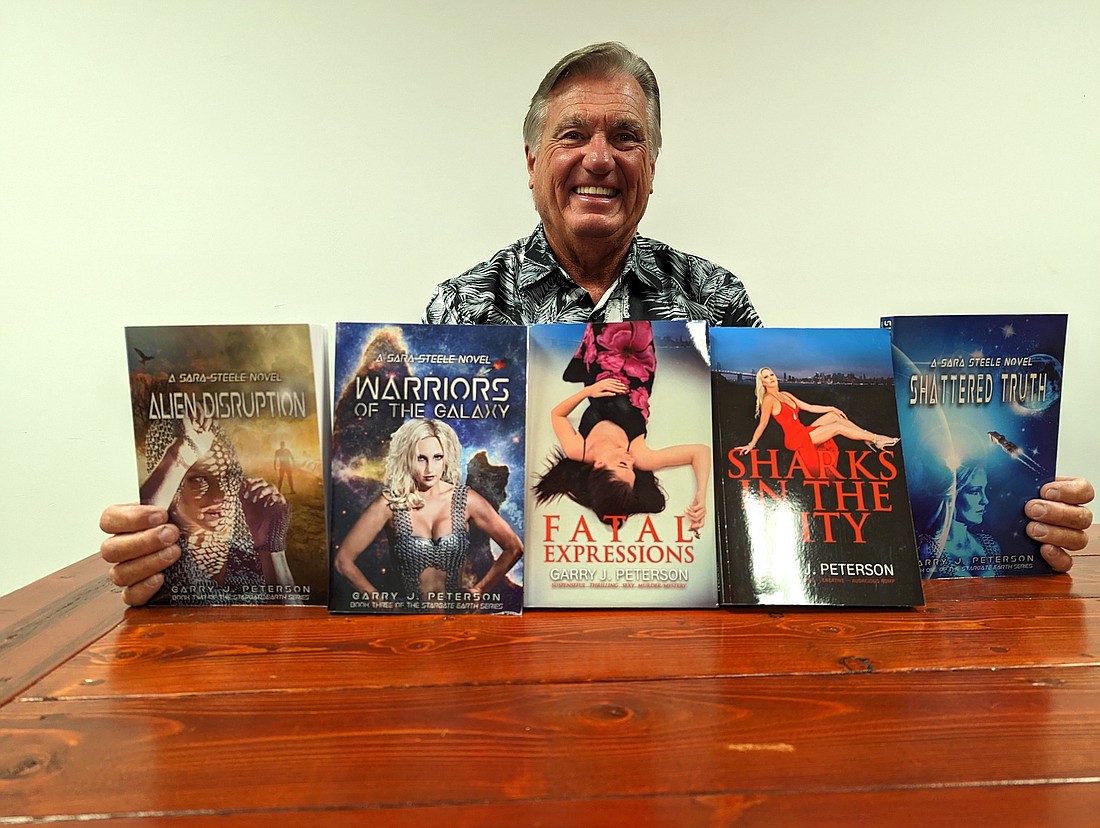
x=229 y=429
x=812 y=500
x=619 y=495
x=428 y=469
x=979 y=399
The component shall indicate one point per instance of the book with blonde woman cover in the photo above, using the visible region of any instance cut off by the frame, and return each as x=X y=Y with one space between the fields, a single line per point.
x=810 y=470
x=979 y=397
x=427 y=469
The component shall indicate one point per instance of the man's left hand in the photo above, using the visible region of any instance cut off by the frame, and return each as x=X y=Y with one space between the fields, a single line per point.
x=1060 y=520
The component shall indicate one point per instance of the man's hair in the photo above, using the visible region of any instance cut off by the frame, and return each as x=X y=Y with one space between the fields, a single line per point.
x=597 y=60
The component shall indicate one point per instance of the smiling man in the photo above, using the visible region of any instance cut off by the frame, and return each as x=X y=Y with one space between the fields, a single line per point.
x=591 y=138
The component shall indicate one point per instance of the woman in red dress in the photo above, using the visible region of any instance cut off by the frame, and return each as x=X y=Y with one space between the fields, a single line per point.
x=813 y=443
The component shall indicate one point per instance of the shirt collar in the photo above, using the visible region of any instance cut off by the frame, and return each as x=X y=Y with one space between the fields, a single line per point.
x=540 y=262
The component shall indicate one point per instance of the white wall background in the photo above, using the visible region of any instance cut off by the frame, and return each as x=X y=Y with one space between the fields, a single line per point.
x=207 y=161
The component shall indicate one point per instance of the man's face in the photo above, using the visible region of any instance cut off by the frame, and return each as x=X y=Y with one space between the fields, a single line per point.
x=592 y=171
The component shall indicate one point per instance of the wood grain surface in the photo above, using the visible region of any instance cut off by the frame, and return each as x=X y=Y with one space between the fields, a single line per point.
x=982 y=707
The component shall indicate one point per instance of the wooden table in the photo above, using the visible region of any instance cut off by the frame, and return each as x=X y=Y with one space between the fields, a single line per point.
x=982 y=708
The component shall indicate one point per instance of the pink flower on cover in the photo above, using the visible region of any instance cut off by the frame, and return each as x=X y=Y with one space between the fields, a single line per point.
x=627 y=348
x=639 y=398
x=587 y=349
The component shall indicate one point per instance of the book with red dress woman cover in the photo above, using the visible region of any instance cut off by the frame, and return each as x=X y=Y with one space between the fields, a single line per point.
x=229 y=429
x=427 y=469
x=619 y=495
x=979 y=398
x=812 y=500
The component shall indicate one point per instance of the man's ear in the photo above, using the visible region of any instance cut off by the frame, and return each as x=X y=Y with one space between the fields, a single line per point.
x=530 y=166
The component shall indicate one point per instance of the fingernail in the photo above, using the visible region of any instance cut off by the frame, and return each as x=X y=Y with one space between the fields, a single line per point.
x=1035 y=509
x=1038 y=531
x=167 y=535
x=1053 y=493
x=157 y=518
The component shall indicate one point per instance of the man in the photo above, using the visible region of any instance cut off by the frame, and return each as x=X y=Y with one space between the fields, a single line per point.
x=591 y=139
x=284 y=466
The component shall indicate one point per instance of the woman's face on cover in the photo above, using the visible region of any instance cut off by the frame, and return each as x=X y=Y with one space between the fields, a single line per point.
x=618 y=461
x=429 y=462
x=971 y=500
x=200 y=502
x=768 y=378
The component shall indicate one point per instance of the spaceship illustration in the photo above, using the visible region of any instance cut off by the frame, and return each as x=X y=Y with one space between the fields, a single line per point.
x=496 y=366
x=1015 y=452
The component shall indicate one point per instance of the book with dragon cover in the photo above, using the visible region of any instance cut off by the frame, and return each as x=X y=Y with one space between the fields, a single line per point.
x=979 y=399
x=619 y=496
x=229 y=429
x=428 y=469
x=812 y=500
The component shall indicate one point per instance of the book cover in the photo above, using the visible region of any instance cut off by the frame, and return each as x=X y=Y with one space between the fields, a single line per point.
x=619 y=495
x=229 y=429
x=812 y=498
x=428 y=469
x=979 y=399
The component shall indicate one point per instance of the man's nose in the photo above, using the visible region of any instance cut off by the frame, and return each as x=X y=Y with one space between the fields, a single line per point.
x=598 y=158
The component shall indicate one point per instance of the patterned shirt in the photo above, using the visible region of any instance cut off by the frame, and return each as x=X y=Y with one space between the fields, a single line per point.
x=525 y=284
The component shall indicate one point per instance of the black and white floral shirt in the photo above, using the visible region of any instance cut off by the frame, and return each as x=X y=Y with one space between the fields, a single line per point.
x=524 y=284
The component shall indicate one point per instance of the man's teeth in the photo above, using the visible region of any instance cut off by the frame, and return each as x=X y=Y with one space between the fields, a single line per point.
x=596 y=191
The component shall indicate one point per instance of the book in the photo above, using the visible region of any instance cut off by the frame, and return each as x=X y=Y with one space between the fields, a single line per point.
x=812 y=500
x=979 y=398
x=427 y=469
x=622 y=516
x=229 y=430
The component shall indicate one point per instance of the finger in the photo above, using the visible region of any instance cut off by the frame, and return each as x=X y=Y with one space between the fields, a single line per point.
x=1053 y=513
x=141 y=593
x=131 y=545
x=1072 y=539
x=1074 y=490
x=131 y=573
x=131 y=517
x=1058 y=558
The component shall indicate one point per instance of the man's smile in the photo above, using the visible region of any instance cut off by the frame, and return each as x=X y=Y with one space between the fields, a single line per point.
x=596 y=191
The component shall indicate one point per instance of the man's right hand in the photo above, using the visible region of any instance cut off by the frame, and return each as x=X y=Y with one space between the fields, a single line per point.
x=142 y=544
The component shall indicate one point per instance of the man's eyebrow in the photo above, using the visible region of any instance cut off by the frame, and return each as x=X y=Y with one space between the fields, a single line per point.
x=571 y=122
x=576 y=121
x=630 y=124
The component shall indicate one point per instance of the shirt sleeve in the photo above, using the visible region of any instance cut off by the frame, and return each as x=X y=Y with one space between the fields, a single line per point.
x=442 y=308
